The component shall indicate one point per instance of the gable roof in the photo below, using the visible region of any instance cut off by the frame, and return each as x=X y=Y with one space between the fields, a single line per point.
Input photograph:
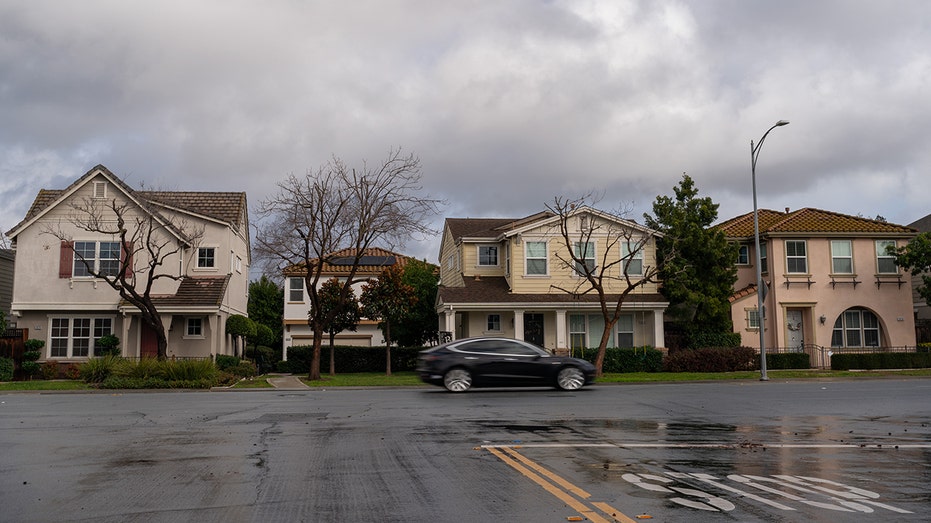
x=477 y=229
x=226 y=207
x=809 y=221
x=373 y=261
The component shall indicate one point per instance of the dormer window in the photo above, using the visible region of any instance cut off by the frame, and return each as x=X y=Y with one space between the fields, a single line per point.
x=488 y=255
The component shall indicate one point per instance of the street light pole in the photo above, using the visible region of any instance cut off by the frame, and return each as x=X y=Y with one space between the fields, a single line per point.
x=754 y=154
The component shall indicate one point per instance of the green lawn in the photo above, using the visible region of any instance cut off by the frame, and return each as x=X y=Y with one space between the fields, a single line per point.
x=404 y=379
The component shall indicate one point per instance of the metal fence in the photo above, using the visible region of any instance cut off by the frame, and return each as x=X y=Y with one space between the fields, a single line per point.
x=821 y=356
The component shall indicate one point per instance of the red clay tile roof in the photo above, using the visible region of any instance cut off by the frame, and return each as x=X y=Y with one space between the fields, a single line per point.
x=809 y=221
x=742 y=293
x=494 y=289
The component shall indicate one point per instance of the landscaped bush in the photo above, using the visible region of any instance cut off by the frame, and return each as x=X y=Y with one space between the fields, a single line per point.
x=788 y=360
x=881 y=360
x=96 y=370
x=124 y=382
x=245 y=369
x=189 y=370
x=224 y=362
x=350 y=359
x=107 y=345
x=49 y=370
x=700 y=339
x=639 y=359
x=265 y=358
x=728 y=359
x=6 y=369
x=32 y=351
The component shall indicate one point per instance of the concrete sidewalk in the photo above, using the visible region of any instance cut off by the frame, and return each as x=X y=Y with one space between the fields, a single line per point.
x=287 y=382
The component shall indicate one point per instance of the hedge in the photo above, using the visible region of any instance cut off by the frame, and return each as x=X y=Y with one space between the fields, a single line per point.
x=349 y=359
x=718 y=359
x=881 y=360
x=638 y=359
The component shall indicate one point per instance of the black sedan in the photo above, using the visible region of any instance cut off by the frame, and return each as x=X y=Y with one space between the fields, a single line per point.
x=500 y=362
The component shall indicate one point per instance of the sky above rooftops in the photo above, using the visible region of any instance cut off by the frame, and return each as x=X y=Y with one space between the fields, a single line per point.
x=507 y=104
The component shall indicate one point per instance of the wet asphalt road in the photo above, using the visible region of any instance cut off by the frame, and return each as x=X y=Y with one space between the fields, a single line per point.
x=736 y=451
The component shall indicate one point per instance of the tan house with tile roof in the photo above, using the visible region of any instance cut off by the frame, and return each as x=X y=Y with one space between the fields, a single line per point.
x=499 y=276
x=830 y=283
x=70 y=311
x=337 y=265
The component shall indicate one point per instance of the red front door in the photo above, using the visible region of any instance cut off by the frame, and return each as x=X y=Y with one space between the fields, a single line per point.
x=148 y=343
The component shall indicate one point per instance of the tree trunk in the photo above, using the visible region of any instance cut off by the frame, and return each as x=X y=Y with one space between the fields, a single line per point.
x=602 y=347
x=314 y=373
x=332 y=357
x=388 y=347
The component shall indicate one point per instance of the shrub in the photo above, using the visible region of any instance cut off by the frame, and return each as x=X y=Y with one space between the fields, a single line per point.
x=189 y=370
x=639 y=359
x=712 y=360
x=96 y=370
x=881 y=360
x=49 y=370
x=6 y=369
x=788 y=360
x=224 y=362
x=265 y=358
x=245 y=369
x=698 y=339
x=142 y=368
x=107 y=345
x=72 y=371
x=225 y=379
x=30 y=367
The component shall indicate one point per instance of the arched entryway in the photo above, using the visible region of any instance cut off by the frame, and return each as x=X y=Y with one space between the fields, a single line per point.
x=857 y=327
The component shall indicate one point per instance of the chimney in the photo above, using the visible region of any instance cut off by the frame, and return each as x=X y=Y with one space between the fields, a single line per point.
x=787 y=210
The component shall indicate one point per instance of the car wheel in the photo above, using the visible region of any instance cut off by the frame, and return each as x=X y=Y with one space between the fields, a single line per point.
x=570 y=378
x=457 y=380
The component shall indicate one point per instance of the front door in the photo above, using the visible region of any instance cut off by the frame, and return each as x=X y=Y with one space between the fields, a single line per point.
x=148 y=342
x=533 y=328
x=795 y=340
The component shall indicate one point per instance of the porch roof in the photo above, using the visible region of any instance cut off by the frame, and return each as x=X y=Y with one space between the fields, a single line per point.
x=193 y=292
x=494 y=289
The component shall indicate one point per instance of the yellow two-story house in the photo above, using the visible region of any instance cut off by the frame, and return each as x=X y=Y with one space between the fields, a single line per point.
x=510 y=277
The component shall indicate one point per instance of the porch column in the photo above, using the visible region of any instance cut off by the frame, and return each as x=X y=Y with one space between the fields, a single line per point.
x=561 y=329
x=124 y=337
x=518 y=324
x=218 y=337
x=659 y=334
x=449 y=322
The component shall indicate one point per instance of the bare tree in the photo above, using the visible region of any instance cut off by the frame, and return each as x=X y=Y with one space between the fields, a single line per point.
x=609 y=277
x=337 y=208
x=146 y=240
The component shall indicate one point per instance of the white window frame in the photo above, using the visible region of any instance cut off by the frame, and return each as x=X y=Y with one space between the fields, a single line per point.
x=100 y=190
x=96 y=259
x=629 y=257
x=213 y=257
x=194 y=328
x=618 y=332
x=743 y=254
x=885 y=259
x=575 y=333
x=796 y=258
x=589 y=257
x=764 y=258
x=865 y=325
x=544 y=258
x=481 y=257
x=293 y=289
x=841 y=257
x=62 y=335
x=493 y=323
x=752 y=318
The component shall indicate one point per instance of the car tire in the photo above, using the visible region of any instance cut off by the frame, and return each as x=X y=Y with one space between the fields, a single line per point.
x=457 y=380
x=570 y=378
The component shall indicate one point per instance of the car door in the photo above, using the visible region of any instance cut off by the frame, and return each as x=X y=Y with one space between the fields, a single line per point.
x=521 y=364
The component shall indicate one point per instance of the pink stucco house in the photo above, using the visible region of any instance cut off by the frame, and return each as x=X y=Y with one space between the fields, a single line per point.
x=831 y=285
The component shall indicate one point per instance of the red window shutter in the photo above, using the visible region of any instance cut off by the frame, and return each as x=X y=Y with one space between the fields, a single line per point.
x=66 y=259
x=127 y=257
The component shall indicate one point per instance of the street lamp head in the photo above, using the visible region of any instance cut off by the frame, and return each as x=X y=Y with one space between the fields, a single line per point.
x=780 y=123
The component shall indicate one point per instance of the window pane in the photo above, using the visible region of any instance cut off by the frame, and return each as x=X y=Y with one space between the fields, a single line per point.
x=296 y=292
x=536 y=266
x=59 y=337
x=842 y=266
x=205 y=257
x=536 y=249
x=488 y=255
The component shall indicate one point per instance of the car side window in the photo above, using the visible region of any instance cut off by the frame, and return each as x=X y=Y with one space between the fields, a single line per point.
x=517 y=349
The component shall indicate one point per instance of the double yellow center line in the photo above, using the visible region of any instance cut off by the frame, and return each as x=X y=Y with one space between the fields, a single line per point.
x=571 y=495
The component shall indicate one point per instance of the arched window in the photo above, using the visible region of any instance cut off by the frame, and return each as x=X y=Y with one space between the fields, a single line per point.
x=856 y=328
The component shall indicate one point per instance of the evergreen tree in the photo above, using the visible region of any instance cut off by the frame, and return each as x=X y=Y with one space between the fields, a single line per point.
x=266 y=307
x=389 y=301
x=344 y=313
x=421 y=324
x=916 y=258
x=700 y=277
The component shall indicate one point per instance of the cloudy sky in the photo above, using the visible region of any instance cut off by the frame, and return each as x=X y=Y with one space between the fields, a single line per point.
x=507 y=104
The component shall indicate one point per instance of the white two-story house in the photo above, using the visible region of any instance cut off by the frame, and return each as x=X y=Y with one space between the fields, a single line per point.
x=55 y=298
x=508 y=277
